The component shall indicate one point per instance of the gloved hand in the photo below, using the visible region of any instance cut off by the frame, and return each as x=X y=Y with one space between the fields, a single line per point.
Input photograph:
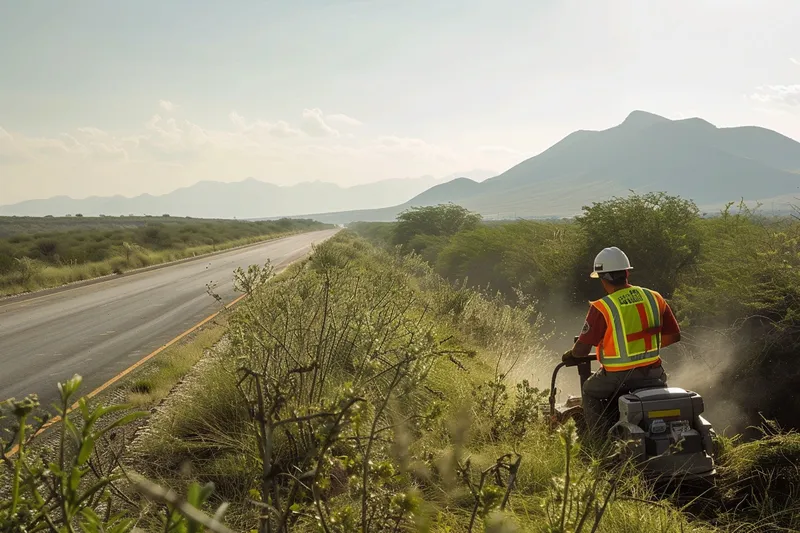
x=567 y=357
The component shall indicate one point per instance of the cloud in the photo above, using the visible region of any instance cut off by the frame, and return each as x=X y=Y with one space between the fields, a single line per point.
x=280 y=129
x=344 y=119
x=166 y=105
x=795 y=61
x=166 y=152
x=786 y=97
x=313 y=123
x=94 y=142
x=16 y=149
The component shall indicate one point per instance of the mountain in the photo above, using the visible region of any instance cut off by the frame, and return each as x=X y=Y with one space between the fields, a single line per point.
x=645 y=153
x=249 y=198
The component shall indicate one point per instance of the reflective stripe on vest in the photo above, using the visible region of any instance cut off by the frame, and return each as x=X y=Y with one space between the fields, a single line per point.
x=633 y=334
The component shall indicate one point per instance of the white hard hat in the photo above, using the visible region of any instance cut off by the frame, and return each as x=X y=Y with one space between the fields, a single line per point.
x=610 y=260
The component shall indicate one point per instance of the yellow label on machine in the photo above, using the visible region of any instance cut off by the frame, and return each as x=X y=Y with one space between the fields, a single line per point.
x=664 y=414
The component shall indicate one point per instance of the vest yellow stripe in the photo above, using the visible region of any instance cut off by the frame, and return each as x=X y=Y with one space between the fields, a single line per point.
x=617 y=325
x=631 y=353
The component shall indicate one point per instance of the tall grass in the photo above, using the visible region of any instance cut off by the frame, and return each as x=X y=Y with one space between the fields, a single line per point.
x=362 y=392
x=37 y=261
x=78 y=482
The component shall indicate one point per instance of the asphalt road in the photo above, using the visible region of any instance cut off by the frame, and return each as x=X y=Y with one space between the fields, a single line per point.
x=99 y=330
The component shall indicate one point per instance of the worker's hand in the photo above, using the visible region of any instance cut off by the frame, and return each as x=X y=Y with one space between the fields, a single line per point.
x=567 y=357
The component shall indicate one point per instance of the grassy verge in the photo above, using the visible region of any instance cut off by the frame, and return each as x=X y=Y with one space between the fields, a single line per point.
x=360 y=391
x=446 y=383
x=32 y=275
x=171 y=366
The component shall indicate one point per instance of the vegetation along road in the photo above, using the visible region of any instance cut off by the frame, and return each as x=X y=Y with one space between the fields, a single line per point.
x=100 y=330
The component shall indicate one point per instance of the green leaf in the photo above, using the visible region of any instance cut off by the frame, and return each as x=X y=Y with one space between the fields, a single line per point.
x=71 y=429
x=91 y=491
x=55 y=469
x=84 y=410
x=91 y=518
x=127 y=419
x=86 y=449
x=104 y=410
x=193 y=495
x=75 y=479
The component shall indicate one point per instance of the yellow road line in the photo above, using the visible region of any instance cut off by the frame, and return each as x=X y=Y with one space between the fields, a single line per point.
x=140 y=362
x=134 y=366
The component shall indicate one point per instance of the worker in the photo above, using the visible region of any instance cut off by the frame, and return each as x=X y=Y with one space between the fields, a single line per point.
x=629 y=326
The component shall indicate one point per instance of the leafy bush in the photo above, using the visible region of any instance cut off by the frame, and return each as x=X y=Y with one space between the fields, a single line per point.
x=80 y=483
x=7 y=262
x=377 y=233
x=534 y=257
x=747 y=283
x=762 y=479
x=381 y=398
x=658 y=232
x=737 y=273
x=360 y=391
x=443 y=221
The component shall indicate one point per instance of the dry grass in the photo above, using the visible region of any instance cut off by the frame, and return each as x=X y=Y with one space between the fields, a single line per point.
x=170 y=366
x=352 y=311
x=208 y=425
x=49 y=276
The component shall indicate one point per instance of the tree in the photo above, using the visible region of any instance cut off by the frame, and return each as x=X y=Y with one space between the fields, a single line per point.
x=658 y=232
x=443 y=220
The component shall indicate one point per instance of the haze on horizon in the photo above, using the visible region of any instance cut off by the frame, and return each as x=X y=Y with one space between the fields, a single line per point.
x=100 y=98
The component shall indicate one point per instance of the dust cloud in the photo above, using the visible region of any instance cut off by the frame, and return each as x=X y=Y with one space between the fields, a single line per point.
x=704 y=361
x=561 y=321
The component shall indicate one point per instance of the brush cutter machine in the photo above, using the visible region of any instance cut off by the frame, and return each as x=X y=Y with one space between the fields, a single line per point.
x=662 y=426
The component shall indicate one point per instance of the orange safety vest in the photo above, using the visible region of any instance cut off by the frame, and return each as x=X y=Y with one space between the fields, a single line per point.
x=633 y=328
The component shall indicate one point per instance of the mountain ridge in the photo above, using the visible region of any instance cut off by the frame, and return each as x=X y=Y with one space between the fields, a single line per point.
x=247 y=198
x=646 y=152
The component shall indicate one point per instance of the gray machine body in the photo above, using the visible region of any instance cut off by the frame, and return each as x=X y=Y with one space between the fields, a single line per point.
x=666 y=431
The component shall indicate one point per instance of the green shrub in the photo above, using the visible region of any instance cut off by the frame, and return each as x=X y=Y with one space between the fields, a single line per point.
x=737 y=273
x=359 y=390
x=658 y=232
x=377 y=233
x=7 y=262
x=761 y=479
x=439 y=221
x=537 y=258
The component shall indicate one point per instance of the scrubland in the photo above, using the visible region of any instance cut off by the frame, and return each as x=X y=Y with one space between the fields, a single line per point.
x=40 y=253
x=379 y=385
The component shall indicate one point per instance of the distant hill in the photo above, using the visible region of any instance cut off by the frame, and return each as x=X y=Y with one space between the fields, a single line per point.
x=646 y=152
x=249 y=198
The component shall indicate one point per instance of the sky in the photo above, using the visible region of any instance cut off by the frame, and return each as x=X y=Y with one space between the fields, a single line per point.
x=103 y=98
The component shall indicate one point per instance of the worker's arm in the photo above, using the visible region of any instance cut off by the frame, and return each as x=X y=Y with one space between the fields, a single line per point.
x=594 y=328
x=581 y=350
x=670 y=332
x=666 y=340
